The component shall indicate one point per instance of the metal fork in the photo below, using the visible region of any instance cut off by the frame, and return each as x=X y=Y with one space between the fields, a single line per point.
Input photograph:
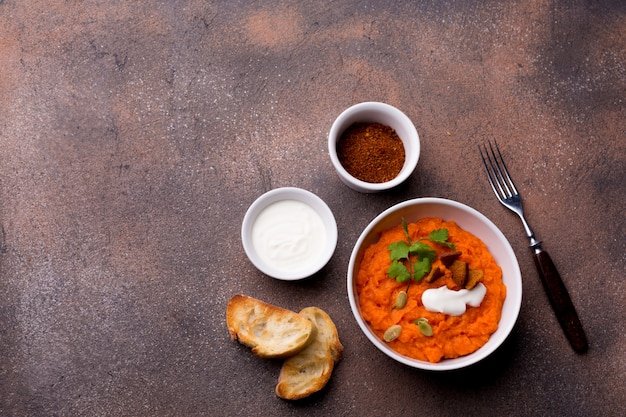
x=507 y=194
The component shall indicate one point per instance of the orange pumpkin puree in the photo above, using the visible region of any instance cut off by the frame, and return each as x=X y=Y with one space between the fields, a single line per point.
x=453 y=336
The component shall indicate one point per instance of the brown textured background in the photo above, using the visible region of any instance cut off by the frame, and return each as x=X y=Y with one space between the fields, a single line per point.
x=134 y=135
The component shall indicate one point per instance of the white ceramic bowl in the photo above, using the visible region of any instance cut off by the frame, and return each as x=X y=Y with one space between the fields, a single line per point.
x=304 y=269
x=471 y=221
x=370 y=112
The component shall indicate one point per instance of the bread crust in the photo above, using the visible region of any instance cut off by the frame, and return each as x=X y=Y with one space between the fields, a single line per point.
x=270 y=331
x=309 y=371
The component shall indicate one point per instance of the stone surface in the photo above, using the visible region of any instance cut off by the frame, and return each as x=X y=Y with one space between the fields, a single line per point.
x=134 y=135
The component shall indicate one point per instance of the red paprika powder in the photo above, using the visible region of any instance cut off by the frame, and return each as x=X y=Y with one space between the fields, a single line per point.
x=371 y=152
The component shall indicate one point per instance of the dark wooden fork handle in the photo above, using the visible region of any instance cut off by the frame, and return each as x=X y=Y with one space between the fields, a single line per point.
x=561 y=301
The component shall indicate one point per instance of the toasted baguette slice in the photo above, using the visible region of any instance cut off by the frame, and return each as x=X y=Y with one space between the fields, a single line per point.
x=308 y=371
x=271 y=331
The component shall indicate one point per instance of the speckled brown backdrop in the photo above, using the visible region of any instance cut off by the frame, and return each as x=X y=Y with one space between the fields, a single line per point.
x=134 y=135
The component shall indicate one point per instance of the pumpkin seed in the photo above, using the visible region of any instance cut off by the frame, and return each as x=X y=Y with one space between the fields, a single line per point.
x=401 y=300
x=424 y=327
x=392 y=333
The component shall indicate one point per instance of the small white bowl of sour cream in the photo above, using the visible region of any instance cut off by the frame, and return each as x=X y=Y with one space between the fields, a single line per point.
x=289 y=233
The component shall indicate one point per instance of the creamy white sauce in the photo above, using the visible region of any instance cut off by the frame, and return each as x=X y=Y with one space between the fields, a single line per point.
x=444 y=300
x=288 y=235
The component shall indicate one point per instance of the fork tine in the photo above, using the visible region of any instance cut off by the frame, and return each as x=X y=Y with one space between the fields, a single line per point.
x=503 y=171
x=497 y=172
x=491 y=173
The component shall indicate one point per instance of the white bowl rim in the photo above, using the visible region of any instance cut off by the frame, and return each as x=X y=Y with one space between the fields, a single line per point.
x=411 y=162
x=512 y=303
x=289 y=193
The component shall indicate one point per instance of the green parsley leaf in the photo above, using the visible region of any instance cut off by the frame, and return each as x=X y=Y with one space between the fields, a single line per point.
x=440 y=236
x=398 y=250
x=423 y=251
x=399 y=272
x=421 y=268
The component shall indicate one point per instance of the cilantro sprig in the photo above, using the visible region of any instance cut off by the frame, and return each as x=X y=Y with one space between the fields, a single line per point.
x=412 y=260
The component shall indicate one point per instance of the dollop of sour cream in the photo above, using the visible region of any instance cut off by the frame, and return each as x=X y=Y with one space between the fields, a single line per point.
x=454 y=303
x=288 y=235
